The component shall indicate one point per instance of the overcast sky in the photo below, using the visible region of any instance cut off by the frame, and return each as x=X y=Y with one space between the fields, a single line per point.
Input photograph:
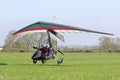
x=100 y=15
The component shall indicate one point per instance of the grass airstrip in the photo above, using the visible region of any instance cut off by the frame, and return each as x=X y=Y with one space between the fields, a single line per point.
x=76 y=66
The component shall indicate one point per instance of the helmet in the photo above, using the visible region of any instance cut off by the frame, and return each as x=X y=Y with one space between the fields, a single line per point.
x=46 y=46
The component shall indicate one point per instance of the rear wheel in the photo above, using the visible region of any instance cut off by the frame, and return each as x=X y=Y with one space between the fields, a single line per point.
x=43 y=61
x=34 y=61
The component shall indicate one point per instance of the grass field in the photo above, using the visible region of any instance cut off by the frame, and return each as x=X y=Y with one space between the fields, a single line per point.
x=76 y=66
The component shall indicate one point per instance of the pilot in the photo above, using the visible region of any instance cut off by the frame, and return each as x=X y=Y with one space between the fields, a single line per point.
x=44 y=51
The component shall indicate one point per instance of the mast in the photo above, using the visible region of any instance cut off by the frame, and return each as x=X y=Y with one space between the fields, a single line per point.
x=49 y=39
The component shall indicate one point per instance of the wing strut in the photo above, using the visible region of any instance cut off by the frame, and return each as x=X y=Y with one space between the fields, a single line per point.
x=49 y=39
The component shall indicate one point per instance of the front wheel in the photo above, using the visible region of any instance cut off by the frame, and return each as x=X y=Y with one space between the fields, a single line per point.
x=34 y=61
x=60 y=61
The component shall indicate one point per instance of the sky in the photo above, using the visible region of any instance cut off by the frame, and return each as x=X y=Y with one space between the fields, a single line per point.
x=100 y=15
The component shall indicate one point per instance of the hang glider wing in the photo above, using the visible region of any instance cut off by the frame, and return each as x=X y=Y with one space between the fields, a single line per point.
x=54 y=28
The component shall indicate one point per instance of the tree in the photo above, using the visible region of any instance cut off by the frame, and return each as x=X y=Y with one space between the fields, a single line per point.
x=9 y=42
x=26 y=42
x=39 y=39
x=106 y=43
x=23 y=42
x=117 y=44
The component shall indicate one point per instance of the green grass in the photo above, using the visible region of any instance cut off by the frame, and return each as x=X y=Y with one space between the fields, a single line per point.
x=76 y=66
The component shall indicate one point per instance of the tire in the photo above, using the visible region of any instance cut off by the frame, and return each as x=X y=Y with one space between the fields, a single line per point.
x=34 y=61
x=43 y=61
x=60 y=61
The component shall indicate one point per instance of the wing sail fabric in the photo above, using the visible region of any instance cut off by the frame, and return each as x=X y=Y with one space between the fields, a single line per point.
x=57 y=35
x=44 y=26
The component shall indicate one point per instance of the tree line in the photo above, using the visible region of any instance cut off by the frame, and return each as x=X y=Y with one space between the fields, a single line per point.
x=109 y=44
x=23 y=42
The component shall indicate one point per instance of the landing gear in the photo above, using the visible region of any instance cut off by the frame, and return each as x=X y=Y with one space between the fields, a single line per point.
x=60 y=61
x=43 y=61
x=34 y=61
